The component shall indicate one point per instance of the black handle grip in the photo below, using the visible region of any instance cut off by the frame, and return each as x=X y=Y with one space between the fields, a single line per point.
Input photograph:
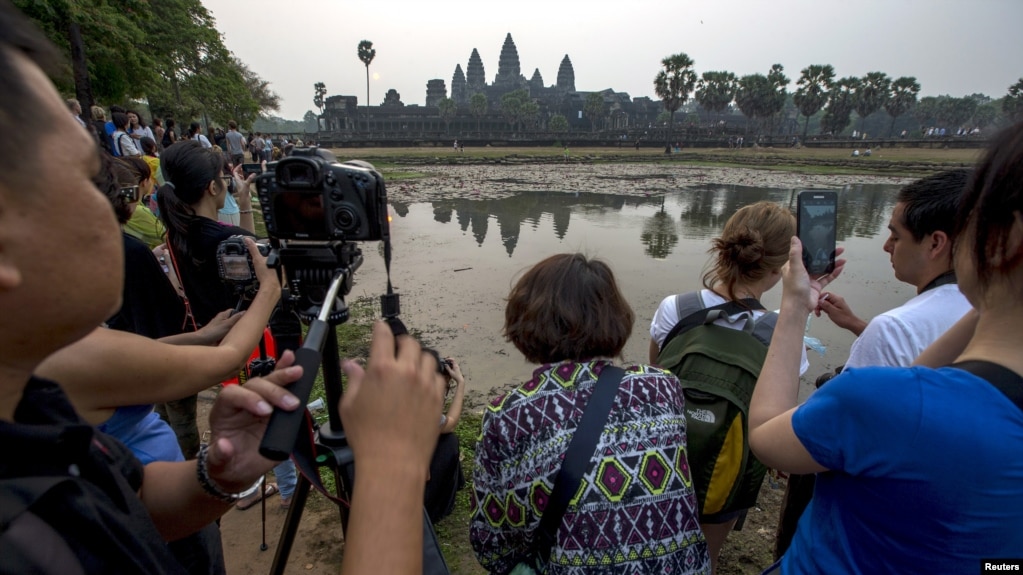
x=282 y=430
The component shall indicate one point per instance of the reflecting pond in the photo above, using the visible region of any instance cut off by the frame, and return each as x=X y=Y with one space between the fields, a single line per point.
x=456 y=259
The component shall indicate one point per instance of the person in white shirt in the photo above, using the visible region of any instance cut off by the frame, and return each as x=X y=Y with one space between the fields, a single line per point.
x=195 y=133
x=920 y=248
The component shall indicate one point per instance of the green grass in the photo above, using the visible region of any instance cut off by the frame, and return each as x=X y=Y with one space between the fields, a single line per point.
x=453 y=530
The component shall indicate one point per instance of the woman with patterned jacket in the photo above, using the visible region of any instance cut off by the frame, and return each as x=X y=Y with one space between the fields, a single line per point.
x=635 y=510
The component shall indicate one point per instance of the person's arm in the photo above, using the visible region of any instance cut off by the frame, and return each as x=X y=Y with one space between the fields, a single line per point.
x=110 y=368
x=951 y=344
x=840 y=313
x=210 y=334
x=655 y=350
x=775 y=396
x=244 y=199
x=390 y=413
x=454 y=412
x=171 y=491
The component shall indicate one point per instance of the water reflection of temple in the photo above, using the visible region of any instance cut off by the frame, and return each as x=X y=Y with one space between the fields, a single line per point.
x=695 y=213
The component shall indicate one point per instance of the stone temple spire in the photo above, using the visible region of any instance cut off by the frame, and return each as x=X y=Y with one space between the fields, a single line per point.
x=508 y=66
x=566 y=76
x=458 y=93
x=536 y=82
x=475 y=77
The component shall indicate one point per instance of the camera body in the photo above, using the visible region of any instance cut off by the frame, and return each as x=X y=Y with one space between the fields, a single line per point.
x=234 y=263
x=311 y=196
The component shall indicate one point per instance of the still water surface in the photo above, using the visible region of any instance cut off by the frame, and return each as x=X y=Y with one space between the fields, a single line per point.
x=455 y=261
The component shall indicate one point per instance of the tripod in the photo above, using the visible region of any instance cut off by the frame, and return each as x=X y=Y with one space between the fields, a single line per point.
x=328 y=446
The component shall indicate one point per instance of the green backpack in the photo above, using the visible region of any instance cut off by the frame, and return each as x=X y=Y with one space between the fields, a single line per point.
x=718 y=367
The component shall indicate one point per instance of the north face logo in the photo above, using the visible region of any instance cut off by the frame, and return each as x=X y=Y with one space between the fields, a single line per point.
x=703 y=415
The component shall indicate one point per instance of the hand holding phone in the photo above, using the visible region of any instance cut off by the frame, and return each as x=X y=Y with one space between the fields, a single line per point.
x=249 y=169
x=816 y=226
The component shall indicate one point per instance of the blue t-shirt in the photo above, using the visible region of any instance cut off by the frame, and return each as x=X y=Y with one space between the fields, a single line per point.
x=926 y=474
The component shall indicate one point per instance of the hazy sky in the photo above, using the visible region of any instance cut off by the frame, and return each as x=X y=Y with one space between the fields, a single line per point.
x=953 y=47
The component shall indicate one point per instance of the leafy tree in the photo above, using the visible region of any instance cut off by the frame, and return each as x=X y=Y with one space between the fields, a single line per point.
x=841 y=103
x=811 y=95
x=593 y=109
x=955 y=112
x=776 y=103
x=447 y=108
x=673 y=85
x=716 y=90
x=985 y=115
x=320 y=91
x=926 y=112
x=478 y=105
x=558 y=124
x=366 y=54
x=312 y=124
x=101 y=40
x=873 y=92
x=755 y=97
x=528 y=113
x=511 y=106
x=901 y=98
x=266 y=99
x=1012 y=104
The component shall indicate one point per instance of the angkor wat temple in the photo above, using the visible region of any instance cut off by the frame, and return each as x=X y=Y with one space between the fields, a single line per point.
x=343 y=119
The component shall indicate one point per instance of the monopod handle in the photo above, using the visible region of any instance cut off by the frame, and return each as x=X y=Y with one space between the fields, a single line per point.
x=283 y=428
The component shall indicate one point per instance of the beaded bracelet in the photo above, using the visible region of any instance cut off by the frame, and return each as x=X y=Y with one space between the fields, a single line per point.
x=212 y=488
x=244 y=211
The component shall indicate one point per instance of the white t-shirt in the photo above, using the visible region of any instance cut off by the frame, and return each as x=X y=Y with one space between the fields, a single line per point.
x=203 y=140
x=896 y=337
x=666 y=317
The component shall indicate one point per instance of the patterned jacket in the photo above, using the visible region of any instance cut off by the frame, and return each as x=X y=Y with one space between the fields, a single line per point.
x=635 y=510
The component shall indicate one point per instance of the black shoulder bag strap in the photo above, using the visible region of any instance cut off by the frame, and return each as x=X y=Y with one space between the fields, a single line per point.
x=697 y=317
x=578 y=459
x=1006 y=380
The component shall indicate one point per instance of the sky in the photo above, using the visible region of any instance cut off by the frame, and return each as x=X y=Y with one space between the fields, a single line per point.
x=955 y=47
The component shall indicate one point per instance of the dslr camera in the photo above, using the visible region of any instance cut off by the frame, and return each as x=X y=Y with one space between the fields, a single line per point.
x=311 y=196
x=234 y=264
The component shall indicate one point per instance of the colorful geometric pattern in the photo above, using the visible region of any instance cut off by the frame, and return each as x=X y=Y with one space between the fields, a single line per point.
x=635 y=510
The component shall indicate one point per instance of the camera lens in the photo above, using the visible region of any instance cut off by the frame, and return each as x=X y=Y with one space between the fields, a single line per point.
x=346 y=219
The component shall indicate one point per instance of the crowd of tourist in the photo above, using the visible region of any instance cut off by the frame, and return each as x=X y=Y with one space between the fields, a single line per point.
x=909 y=457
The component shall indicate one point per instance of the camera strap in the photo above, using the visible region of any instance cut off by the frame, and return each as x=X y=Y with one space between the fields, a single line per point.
x=189 y=316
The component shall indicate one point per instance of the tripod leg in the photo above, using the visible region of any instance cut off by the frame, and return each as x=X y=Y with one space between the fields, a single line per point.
x=433 y=557
x=290 y=528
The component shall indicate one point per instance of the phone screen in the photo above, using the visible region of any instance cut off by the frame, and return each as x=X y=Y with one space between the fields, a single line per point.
x=817 y=221
x=252 y=169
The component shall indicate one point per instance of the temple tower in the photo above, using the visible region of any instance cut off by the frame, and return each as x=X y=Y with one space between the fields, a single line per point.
x=475 y=77
x=566 y=75
x=435 y=92
x=458 y=91
x=536 y=82
x=508 y=66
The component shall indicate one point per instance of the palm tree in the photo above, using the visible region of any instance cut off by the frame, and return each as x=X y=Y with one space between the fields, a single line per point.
x=716 y=90
x=321 y=91
x=593 y=109
x=901 y=98
x=1012 y=104
x=673 y=85
x=754 y=96
x=366 y=54
x=841 y=102
x=447 y=108
x=812 y=93
x=776 y=103
x=478 y=107
x=872 y=94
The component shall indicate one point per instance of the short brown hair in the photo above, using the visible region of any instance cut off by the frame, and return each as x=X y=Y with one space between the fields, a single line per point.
x=755 y=241
x=567 y=307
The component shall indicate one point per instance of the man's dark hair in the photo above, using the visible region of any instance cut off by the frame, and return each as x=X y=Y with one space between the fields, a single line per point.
x=931 y=203
x=19 y=35
x=232 y=125
x=118 y=109
x=992 y=201
x=567 y=307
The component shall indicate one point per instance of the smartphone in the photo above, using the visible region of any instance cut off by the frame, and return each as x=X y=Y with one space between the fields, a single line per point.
x=816 y=223
x=248 y=169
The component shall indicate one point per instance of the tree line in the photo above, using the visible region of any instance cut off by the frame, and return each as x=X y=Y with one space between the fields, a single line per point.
x=167 y=53
x=762 y=97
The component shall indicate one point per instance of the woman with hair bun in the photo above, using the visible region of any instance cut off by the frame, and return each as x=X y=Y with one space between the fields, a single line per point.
x=747 y=262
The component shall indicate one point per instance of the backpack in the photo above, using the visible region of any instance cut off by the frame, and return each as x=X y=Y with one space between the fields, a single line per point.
x=718 y=367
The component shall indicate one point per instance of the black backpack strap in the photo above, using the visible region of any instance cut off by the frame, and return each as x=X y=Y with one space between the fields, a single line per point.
x=1006 y=380
x=699 y=317
x=578 y=459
